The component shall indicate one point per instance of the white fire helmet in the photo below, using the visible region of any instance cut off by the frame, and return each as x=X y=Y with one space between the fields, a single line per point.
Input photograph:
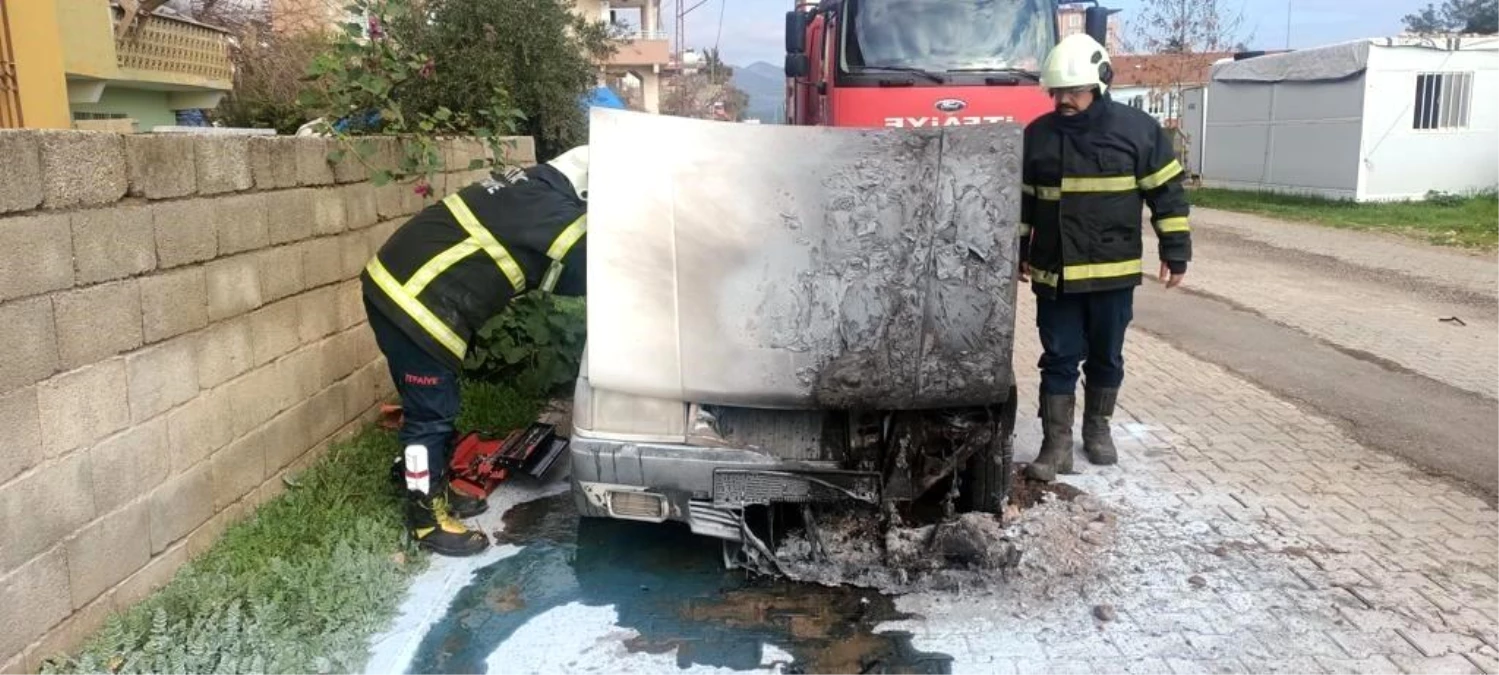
x=1077 y=61
x=574 y=165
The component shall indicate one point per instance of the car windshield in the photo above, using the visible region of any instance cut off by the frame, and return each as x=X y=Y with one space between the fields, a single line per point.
x=948 y=35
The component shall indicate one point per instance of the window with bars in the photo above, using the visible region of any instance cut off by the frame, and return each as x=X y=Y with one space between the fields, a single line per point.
x=1443 y=100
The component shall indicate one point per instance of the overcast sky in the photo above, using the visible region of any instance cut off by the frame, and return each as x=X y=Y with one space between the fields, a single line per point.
x=751 y=29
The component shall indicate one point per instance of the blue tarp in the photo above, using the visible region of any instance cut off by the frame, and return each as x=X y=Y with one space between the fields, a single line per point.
x=602 y=97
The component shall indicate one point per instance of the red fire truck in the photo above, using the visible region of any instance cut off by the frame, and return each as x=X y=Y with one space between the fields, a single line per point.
x=920 y=63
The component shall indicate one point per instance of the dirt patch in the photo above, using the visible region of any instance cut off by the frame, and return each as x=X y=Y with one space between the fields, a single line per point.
x=1050 y=529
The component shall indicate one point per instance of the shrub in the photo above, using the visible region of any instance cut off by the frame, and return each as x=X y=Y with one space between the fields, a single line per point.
x=535 y=344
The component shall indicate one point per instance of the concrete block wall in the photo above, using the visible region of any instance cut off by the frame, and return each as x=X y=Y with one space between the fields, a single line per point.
x=181 y=328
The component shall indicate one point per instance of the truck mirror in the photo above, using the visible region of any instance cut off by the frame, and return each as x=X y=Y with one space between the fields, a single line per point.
x=797 y=65
x=796 y=31
x=1096 y=23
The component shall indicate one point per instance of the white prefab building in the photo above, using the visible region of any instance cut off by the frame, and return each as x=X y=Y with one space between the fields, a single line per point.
x=1371 y=120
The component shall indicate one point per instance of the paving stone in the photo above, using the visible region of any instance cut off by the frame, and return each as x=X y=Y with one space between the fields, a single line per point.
x=36 y=253
x=108 y=551
x=174 y=303
x=21 y=164
x=113 y=243
x=39 y=509
x=82 y=168
x=98 y=322
x=83 y=406
x=161 y=166
x=1451 y=664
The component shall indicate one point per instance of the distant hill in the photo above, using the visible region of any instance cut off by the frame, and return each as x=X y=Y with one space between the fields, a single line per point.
x=766 y=86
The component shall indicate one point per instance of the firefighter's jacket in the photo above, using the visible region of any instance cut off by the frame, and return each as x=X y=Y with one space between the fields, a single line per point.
x=1083 y=184
x=458 y=262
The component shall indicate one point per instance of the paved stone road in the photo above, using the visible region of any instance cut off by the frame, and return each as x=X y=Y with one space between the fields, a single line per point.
x=1252 y=536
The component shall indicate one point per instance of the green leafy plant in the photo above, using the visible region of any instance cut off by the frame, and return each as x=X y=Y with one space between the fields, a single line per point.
x=362 y=86
x=535 y=343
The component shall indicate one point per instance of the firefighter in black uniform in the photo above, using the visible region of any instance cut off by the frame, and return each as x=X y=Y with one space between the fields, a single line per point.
x=436 y=281
x=1087 y=167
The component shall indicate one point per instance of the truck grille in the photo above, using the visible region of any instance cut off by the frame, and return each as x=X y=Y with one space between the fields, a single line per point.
x=739 y=488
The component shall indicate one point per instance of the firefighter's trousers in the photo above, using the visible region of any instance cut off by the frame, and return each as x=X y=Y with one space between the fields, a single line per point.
x=429 y=393
x=1083 y=328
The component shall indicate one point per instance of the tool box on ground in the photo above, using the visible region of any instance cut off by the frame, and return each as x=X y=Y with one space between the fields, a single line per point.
x=481 y=462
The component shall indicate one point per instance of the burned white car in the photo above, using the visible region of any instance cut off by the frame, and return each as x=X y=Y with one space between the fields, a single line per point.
x=788 y=320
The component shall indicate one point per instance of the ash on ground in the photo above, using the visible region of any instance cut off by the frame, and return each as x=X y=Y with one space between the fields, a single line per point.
x=1051 y=531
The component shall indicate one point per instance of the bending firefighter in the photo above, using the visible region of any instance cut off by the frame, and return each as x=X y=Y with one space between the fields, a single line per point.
x=437 y=279
x=1087 y=168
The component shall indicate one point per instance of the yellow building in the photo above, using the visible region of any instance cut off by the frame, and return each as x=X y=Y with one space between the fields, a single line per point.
x=63 y=66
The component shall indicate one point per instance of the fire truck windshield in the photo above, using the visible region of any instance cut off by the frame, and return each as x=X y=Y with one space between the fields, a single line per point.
x=947 y=35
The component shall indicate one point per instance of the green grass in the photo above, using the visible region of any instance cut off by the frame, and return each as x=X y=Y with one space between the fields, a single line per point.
x=1448 y=220
x=302 y=584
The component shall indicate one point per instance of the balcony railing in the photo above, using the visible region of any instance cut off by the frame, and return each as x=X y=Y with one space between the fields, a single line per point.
x=176 y=47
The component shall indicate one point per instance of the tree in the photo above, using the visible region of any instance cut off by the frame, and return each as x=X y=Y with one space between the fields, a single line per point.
x=1455 y=16
x=539 y=53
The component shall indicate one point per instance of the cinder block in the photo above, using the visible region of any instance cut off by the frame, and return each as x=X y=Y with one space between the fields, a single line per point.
x=237 y=469
x=223 y=164
x=38 y=510
x=273 y=163
x=312 y=161
x=381 y=233
x=174 y=303
x=151 y=578
x=180 y=505
x=350 y=168
x=322 y=262
x=200 y=428
x=129 y=465
x=107 y=551
x=281 y=272
x=326 y=413
x=518 y=150
x=304 y=368
x=39 y=593
x=365 y=348
x=291 y=215
x=80 y=407
x=341 y=355
x=98 y=322
x=354 y=249
x=21 y=164
x=82 y=168
x=204 y=537
x=350 y=304
x=385 y=388
x=358 y=391
x=359 y=206
x=30 y=340
x=233 y=286
x=72 y=633
x=318 y=314
x=287 y=437
x=161 y=167
x=328 y=212
x=463 y=151
x=225 y=351
x=241 y=223
x=397 y=200
x=36 y=253
x=185 y=231
x=274 y=330
x=255 y=398
x=21 y=419
x=162 y=377
x=113 y=243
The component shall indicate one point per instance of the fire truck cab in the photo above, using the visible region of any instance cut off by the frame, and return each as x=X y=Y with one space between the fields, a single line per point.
x=921 y=63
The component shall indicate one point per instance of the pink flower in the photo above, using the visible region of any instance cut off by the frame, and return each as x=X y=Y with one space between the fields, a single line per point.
x=423 y=188
x=376 y=32
x=428 y=69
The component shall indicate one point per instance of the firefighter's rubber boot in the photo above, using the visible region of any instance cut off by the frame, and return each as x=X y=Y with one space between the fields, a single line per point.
x=465 y=504
x=1056 y=441
x=436 y=528
x=1098 y=441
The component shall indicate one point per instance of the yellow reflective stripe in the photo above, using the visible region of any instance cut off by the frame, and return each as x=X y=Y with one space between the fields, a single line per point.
x=1175 y=224
x=415 y=309
x=1098 y=184
x=570 y=235
x=486 y=240
x=1159 y=178
x=1028 y=189
x=1024 y=229
x=1044 y=277
x=1101 y=270
x=439 y=264
x=1049 y=193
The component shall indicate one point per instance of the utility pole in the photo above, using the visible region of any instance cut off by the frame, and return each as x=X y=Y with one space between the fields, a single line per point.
x=1288 y=23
